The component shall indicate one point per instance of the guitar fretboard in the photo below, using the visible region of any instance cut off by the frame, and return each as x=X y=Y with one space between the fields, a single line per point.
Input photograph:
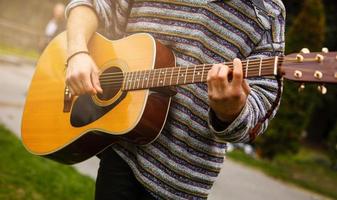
x=171 y=76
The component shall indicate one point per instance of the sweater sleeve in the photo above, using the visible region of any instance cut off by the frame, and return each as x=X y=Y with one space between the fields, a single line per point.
x=112 y=14
x=263 y=101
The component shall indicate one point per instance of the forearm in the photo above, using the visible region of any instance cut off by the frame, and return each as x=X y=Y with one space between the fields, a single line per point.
x=82 y=23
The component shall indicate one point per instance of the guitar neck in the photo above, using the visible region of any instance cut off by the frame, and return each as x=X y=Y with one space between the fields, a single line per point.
x=172 y=76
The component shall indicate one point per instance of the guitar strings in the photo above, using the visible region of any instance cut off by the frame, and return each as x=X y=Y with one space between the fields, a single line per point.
x=173 y=72
x=142 y=83
x=253 y=61
x=180 y=69
x=170 y=72
x=188 y=77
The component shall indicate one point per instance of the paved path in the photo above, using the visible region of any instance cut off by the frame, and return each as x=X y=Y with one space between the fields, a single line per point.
x=235 y=182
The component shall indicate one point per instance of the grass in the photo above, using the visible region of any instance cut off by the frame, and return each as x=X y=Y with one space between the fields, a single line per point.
x=27 y=177
x=308 y=169
x=6 y=49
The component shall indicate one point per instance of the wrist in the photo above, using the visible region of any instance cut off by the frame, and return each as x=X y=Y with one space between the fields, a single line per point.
x=228 y=117
x=75 y=54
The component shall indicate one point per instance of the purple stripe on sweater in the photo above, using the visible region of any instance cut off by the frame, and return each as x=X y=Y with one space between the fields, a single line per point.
x=173 y=174
x=207 y=13
x=193 y=26
x=273 y=4
x=254 y=24
x=188 y=112
x=185 y=57
x=182 y=40
x=192 y=97
x=192 y=150
x=195 y=135
x=180 y=161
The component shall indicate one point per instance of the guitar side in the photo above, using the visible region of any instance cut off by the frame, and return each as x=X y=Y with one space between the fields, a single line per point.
x=49 y=131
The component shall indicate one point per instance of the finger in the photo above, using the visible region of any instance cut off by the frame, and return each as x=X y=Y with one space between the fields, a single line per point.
x=87 y=86
x=237 y=73
x=223 y=77
x=73 y=86
x=246 y=87
x=212 y=73
x=95 y=82
x=71 y=91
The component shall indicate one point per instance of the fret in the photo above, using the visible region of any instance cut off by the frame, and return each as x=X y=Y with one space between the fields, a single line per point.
x=125 y=82
x=185 y=74
x=160 y=72
x=171 y=75
x=202 y=74
x=165 y=76
x=130 y=81
x=260 y=66
x=190 y=75
x=194 y=73
x=162 y=80
x=143 y=78
x=148 y=78
x=198 y=72
x=154 y=75
x=246 y=75
x=138 y=78
x=135 y=80
x=178 y=75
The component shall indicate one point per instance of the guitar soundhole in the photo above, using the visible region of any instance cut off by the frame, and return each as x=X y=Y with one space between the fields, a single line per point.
x=111 y=82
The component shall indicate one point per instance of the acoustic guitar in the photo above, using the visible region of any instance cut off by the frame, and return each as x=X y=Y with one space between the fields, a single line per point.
x=137 y=74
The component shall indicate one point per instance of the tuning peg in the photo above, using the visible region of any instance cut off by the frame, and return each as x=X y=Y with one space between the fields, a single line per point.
x=325 y=50
x=305 y=50
x=301 y=88
x=322 y=89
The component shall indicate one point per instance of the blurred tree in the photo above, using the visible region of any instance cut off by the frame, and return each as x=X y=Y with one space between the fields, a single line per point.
x=308 y=29
x=324 y=118
x=286 y=130
x=333 y=147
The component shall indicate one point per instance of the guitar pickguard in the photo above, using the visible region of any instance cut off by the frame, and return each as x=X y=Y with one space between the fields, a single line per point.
x=85 y=110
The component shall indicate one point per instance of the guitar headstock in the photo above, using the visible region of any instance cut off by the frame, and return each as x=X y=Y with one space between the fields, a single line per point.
x=315 y=67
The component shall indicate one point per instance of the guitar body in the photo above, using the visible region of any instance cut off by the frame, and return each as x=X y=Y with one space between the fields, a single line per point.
x=70 y=130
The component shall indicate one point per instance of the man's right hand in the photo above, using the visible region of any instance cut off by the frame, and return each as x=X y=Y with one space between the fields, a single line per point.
x=82 y=75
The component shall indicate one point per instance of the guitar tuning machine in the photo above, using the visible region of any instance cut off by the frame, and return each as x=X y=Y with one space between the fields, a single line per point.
x=305 y=50
x=301 y=88
x=325 y=50
x=322 y=89
x=319 y=58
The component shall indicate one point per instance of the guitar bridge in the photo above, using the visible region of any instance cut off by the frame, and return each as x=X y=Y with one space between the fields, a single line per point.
x=67 y=100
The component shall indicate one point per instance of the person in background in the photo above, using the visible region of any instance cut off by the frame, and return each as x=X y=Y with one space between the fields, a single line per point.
x=56 y=25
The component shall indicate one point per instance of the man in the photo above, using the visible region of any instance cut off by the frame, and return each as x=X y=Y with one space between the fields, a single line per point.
x=185 y=160
x=55 y=25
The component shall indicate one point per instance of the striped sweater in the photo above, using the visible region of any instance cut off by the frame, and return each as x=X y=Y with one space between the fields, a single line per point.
x=185 y=160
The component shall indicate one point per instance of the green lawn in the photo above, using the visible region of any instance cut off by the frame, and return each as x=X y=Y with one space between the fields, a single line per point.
x=6 y=49
x=24 y=176
x=308 y=169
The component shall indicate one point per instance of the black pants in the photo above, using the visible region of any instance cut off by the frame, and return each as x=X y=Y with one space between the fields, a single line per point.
x=115 y=180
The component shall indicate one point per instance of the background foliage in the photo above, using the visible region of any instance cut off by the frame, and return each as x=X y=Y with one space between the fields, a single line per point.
x=306 y=117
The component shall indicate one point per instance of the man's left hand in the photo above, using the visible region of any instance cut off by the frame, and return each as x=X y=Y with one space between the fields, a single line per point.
x=227 y=90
